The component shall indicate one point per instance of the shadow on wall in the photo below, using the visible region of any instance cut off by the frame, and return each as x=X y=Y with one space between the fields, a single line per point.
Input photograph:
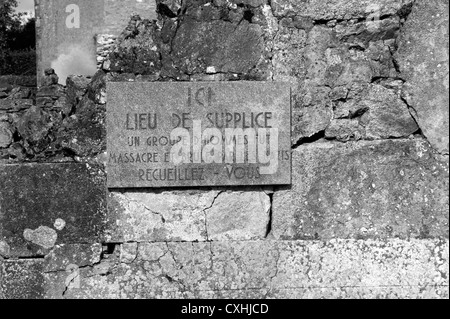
x=74 y=59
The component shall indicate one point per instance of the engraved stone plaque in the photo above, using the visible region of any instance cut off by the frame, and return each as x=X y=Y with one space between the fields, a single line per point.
x=191 y=134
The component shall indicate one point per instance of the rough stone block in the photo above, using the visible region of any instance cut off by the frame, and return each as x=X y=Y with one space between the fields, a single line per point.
x=80 y=255
x=34 y=126
x=76 y=88
x=238 y=216
x=231 y=48
x=424 y=63
x=378 y=113
x=394 y=188
x=188 y=215
x=46 y=204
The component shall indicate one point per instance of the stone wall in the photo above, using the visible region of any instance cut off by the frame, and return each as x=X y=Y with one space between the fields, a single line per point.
x=367 y=214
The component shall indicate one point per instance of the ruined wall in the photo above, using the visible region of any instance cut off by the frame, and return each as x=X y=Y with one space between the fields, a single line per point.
x=67 y=29
x=365 y=217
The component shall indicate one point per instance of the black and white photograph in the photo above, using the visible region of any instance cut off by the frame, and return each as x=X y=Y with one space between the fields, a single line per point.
x=223 y=155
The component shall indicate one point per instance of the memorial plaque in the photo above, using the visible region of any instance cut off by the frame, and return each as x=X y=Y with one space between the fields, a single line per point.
x=190 y=134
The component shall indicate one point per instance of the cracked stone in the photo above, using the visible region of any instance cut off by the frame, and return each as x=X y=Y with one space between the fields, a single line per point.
x=238 y=216
x=327 y=63
x=128 y=252
x=162 y=216
x=378 y=113
x=81 y=255
x=187 y=216
x=307 y=269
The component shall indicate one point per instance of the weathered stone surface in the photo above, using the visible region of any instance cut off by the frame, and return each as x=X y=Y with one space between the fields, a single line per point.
x=43 y=236
x=14 y=80
x=329 y=65
x=2 y=295
x=34 y=196
x=6 y=136
x=60 y=127
x=50 y=77
x=83 y=133
x=230 y=49
x=80 y=255
x=63 y=125
x=160 y=216
x=9 y=106
x=138 y=49
x=423 y=58
x=128 y=252
x=4 y=249
x=337 y=9
x=22 y=279
x=174 y=47
x=380 y=189
x=34 y=127
x=377 y=113
x=340 y=268
x=19 y=93
x=187 y=216
x=406 y=292
x=288 y=57
x=76 y=87
x=238 y=216
x=53 y=91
